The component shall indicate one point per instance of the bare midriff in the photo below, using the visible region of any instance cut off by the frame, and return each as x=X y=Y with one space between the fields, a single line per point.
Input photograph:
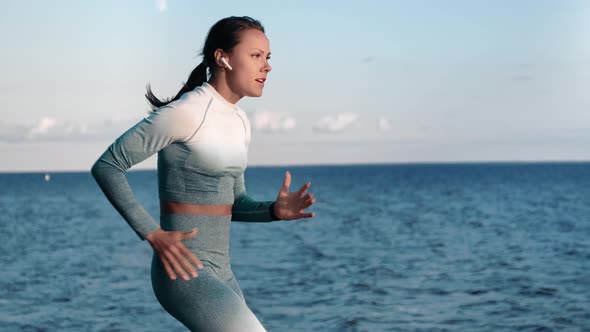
x=169 y=207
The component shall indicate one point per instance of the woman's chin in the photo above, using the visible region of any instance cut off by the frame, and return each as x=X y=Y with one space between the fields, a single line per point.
x=255 y=94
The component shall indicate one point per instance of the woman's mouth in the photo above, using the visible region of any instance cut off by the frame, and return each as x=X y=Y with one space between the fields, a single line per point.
x=261 y=81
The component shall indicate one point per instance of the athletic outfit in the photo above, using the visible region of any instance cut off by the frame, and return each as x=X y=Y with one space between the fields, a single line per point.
x=202 y=144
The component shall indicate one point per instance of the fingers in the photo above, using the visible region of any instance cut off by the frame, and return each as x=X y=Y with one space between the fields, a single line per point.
x=304 y=188
x=189 y=234
x=175 y=266
x=175 y=262
x=168 y=268
x=308 y=202
x=307 y=215
x=287 y=181
x=305 y=199
x=192 y=257
x=184 y=264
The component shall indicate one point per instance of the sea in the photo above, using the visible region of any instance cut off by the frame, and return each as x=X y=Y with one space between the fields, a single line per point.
x=392 y=247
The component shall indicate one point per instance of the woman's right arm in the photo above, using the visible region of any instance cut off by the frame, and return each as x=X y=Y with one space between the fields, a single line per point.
x=156 y=131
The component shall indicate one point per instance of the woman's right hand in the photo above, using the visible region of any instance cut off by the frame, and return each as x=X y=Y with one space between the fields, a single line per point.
x=173 y=253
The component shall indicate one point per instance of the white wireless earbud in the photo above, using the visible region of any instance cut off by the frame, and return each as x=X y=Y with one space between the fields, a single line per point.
x=226 y=64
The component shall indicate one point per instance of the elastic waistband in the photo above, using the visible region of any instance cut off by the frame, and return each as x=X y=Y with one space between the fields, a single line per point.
x=213 y=234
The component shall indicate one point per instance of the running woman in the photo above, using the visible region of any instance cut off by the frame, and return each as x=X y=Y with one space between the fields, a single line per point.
x=202 y=138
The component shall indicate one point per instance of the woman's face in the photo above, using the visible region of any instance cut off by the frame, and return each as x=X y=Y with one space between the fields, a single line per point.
x=249 y=62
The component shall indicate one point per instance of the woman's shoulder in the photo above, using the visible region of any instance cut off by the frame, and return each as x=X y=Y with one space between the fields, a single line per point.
x=180 y=117
x=187 y=110
x=193 y=101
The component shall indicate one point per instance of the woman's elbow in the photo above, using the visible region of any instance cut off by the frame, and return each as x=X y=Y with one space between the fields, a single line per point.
x=99 y=168
x=96 y=170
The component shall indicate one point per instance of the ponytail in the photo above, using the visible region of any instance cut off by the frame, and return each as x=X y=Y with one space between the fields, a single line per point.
x=225 y=35
x=196 y=78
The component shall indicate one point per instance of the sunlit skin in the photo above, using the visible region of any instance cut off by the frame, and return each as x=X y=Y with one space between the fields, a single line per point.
x=249 y=61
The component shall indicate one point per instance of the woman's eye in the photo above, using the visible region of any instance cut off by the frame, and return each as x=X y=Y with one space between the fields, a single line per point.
x=256 y=55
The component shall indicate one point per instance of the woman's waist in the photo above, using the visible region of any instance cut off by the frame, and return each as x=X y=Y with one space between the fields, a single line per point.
x=213 y=234
x=171 y=207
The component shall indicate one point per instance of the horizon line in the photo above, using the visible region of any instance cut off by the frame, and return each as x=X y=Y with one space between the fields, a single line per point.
x=141 y=169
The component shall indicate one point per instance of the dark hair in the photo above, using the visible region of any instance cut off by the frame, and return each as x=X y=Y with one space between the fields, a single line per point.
x=224 y=35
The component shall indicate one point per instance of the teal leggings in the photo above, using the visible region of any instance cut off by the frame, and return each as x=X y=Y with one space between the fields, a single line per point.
x=213 y=301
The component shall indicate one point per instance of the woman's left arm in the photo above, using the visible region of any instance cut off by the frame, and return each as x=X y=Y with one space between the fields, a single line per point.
x=287 y=206
x=247 y=209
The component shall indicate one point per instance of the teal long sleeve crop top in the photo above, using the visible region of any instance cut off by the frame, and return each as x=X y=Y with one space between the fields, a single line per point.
x=202 y=144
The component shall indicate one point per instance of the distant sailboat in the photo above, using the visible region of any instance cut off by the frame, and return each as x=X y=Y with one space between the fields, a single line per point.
x=47 y=177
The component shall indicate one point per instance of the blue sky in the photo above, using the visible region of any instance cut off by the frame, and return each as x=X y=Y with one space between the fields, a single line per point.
x=352 y=82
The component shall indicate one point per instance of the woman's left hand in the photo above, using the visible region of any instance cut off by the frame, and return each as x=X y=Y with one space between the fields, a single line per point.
x=290 y=205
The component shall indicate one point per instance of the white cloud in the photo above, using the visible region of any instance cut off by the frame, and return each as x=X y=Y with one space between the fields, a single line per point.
x=44 y=126
x=52 y=129
x=273 y=121
x=383 y=124
x=337 y=123
x=161 y=5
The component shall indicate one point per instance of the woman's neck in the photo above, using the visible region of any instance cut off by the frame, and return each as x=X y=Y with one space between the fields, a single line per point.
x=221 y=86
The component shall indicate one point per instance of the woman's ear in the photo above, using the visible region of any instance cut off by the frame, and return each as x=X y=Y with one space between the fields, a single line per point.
x=218 y=55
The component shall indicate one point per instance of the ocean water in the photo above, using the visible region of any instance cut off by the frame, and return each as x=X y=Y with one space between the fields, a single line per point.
x=416 y=247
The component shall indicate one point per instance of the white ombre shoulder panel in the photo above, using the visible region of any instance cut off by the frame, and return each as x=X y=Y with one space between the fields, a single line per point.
x=209 y=150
